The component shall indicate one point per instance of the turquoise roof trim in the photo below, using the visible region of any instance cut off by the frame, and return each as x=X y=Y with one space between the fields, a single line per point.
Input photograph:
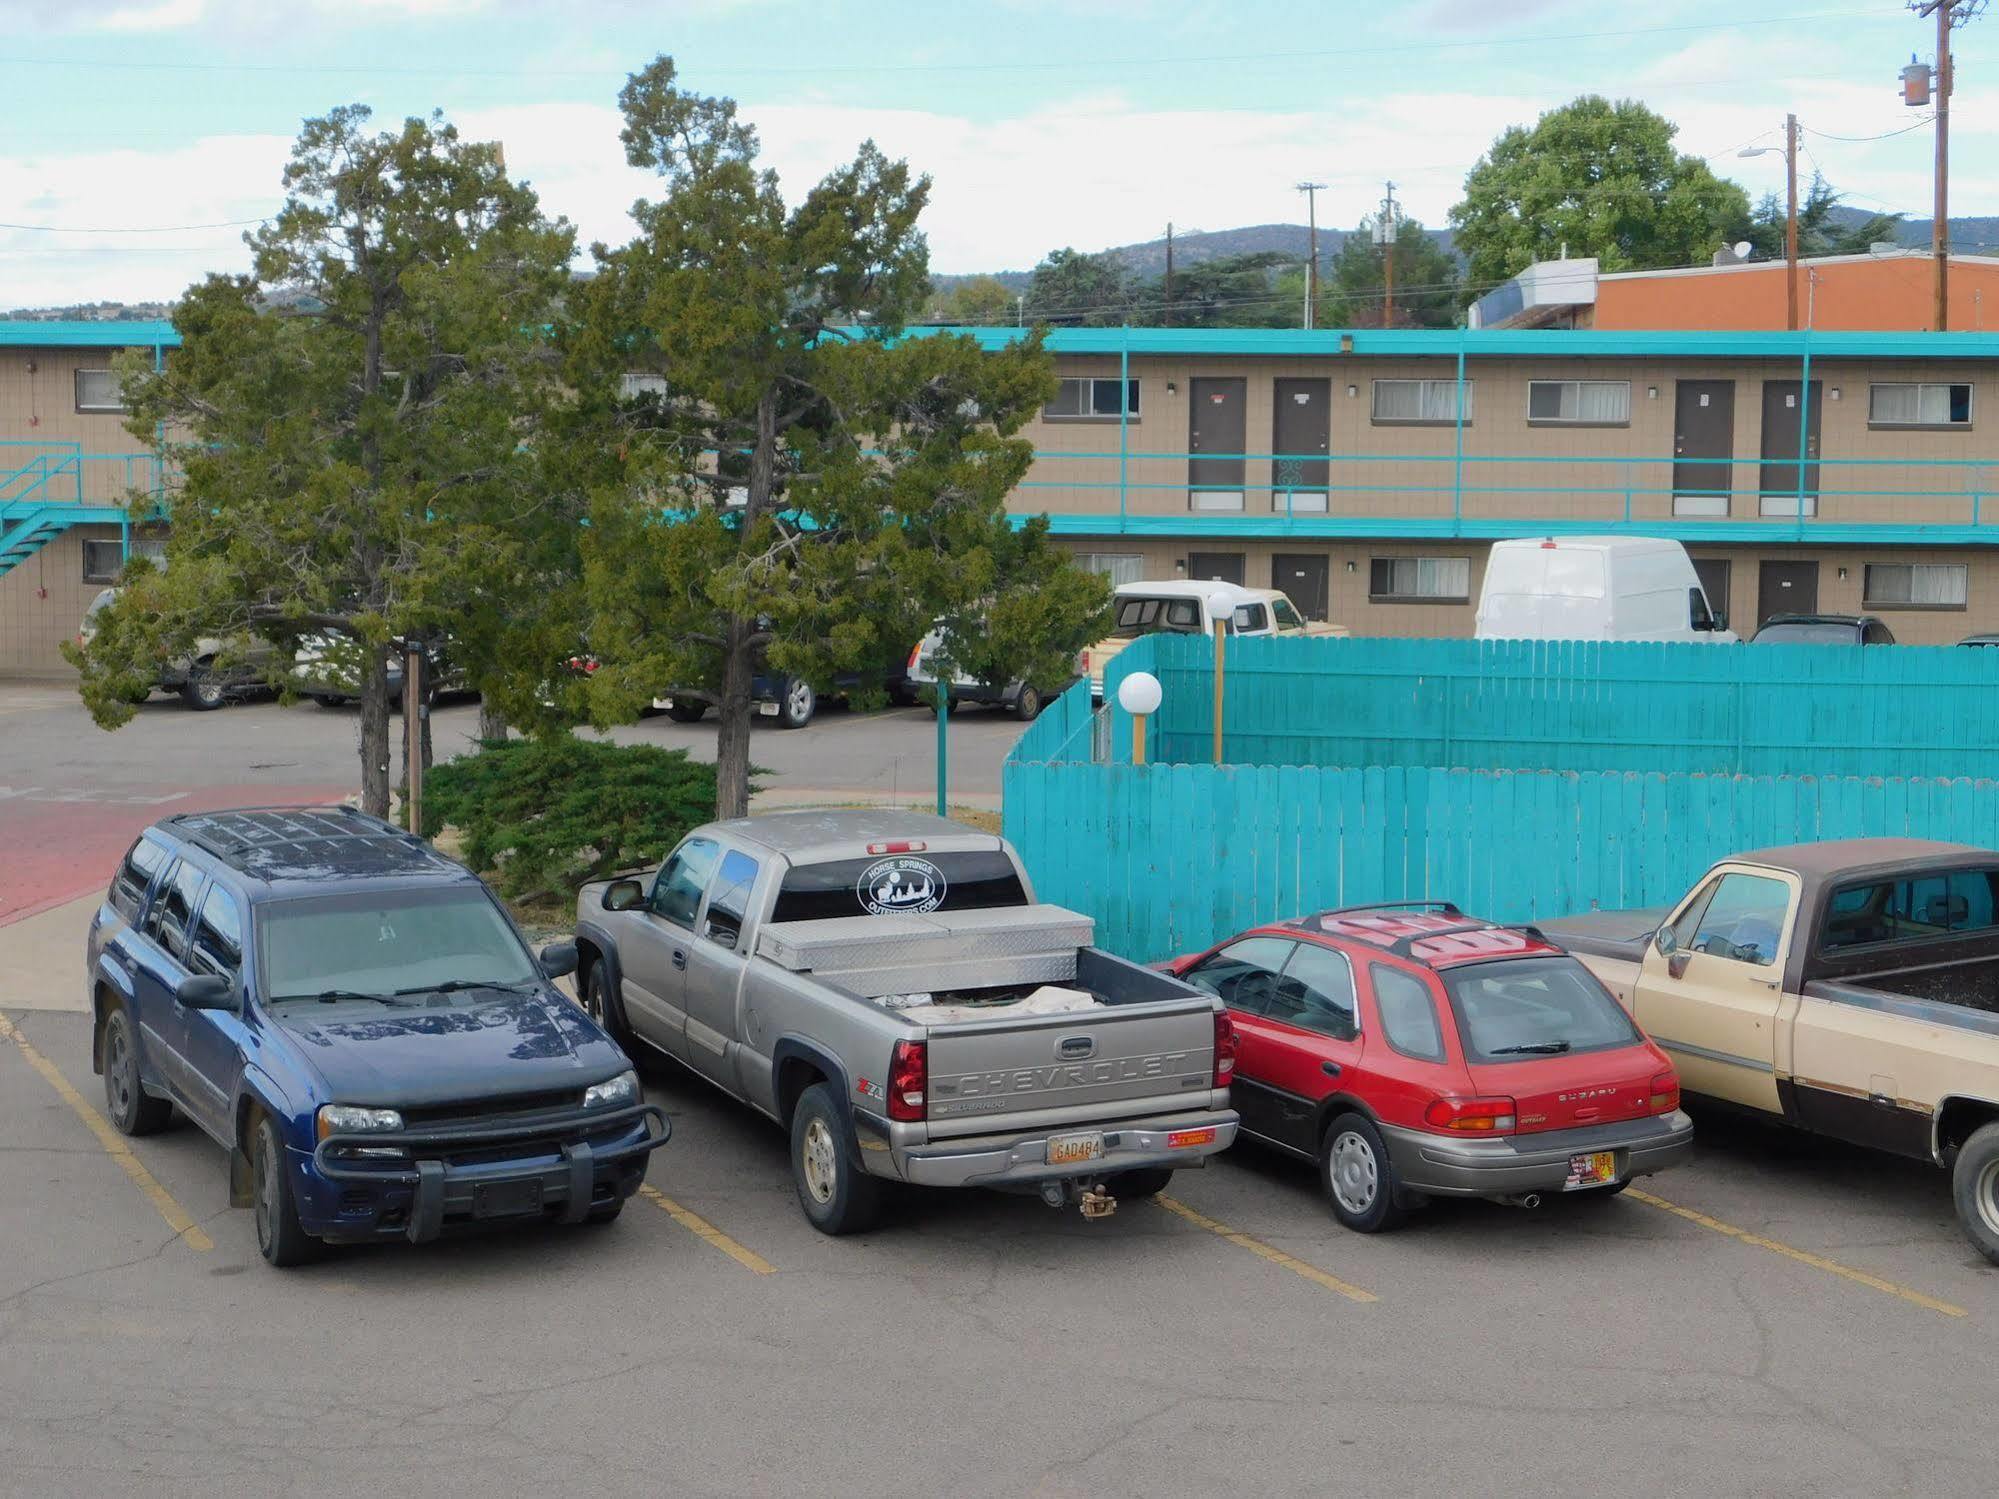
x=85 y=334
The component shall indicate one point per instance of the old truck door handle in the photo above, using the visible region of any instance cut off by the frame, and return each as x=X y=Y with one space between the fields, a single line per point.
x=1331 y=1069
x=679 y=958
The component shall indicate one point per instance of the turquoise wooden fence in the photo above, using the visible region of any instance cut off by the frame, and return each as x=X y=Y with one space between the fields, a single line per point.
x=1625 y=808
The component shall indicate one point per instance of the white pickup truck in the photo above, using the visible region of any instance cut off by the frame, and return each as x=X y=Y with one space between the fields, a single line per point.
x=884 y=986
x=1188 y=607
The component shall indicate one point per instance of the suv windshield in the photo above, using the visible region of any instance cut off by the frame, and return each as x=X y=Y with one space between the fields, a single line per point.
x=387 y=942
x=1526 y=1007
x=1139 y=616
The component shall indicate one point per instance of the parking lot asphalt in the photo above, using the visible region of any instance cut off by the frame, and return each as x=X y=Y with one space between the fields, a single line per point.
x=1817 y=1326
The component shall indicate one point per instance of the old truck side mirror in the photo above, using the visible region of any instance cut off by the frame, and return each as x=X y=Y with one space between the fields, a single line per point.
x=623 y=895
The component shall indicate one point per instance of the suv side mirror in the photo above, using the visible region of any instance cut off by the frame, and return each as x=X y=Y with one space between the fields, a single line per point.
x=206 y=991
x=1720 y=621
x=557 y=958
x=623 y=895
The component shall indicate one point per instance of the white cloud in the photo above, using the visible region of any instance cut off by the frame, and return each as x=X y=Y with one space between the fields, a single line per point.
x=159 y=15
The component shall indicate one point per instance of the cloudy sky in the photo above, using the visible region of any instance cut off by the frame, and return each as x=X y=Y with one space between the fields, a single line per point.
x=152 y=122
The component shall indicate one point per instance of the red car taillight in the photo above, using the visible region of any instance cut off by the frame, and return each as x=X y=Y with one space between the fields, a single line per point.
x=1472 y=1116
x=908 y=1082
x=1225 y=1049
x=1665 y=1092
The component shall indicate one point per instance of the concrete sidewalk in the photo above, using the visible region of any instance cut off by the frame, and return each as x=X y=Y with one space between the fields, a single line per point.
x=41 y=957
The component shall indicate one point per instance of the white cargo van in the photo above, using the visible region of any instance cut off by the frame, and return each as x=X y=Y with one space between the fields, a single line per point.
x=1595 y=588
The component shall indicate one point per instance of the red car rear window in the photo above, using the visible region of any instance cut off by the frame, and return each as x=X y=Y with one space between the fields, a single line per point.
x=1525 y=1007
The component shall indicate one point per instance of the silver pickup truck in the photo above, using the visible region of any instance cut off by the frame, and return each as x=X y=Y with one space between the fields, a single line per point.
x=884 y=985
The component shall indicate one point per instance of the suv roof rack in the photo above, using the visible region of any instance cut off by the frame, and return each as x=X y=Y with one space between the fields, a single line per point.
x=1442 y=907
x=1405 y=947
x=245 y=836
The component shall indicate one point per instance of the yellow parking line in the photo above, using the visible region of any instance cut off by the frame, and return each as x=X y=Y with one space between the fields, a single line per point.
x=701 y=1228
x=1803 y=1257
x=114 y=1143
x=1276 y=1256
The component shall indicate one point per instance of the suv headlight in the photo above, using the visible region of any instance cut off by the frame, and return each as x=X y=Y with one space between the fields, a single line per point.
x=624 y=1088
x=343 y=1118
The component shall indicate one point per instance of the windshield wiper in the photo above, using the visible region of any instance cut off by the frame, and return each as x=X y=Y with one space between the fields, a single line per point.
x=333 y=996
x=454 y=986
x=1539 y=1048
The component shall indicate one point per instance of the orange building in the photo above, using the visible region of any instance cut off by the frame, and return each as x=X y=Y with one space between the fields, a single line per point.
x=1891 y=291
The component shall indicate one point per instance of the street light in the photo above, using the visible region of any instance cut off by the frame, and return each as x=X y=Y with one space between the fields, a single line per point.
x=1789 y=152
x=1139 y=695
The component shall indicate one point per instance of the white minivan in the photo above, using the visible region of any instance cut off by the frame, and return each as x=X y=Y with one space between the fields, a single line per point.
x=1596 y=588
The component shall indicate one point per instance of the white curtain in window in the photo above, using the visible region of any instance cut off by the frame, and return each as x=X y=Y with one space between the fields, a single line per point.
x=1604 y=401
x=1895 y=403
x=1936 y=404
x=97 y=390
x=1936 y=584
x=1119 y=567
x=1418 y=400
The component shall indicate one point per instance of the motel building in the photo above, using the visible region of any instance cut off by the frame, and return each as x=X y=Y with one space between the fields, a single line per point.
x=1365 y=472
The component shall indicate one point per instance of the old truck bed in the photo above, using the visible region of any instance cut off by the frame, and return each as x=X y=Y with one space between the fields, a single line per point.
x=1607 y=934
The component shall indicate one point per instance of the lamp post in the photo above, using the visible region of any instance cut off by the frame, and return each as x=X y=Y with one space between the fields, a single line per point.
x=1139 y=695
x=1790 y=155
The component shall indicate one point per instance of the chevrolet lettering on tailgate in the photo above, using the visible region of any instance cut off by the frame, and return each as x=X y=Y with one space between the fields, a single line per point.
x=1060 y=1076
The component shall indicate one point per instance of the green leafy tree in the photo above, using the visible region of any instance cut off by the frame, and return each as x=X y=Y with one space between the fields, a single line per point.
x=1353 y=287
x=1818 y=232
x=1601 y=179
x=1073 y=290
x=1228 y=291
x=349 y=420
x=975 y=302
x=809 y=491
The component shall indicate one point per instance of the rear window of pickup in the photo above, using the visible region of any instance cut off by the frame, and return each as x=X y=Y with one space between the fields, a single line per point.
x=964 y=881
x=1910 y=909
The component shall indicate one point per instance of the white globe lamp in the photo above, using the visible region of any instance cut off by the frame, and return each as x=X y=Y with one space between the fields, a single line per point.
x=1139 y=695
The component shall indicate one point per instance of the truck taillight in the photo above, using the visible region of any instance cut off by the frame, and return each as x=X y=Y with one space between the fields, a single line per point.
x=1472 y=1116
x=915 y=654
x=1225 y=1049
x=908 y=1081
x=1665 y=1092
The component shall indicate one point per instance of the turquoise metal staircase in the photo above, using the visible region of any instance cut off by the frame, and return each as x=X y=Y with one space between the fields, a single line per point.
x=43 y=495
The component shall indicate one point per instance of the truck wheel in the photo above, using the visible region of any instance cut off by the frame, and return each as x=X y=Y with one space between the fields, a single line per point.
x=838 y=1197
x=1027 y=707
x=203 y=690
x=1135 y=1184
x=1975 y=1185
x=1358 y=1177
x=797 y=704
x=600 y=1007
x=681 y=712
x=133 y=1110
x=280 y=1238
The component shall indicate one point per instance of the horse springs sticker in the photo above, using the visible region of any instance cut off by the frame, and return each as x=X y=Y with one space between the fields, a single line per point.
x=900 y=884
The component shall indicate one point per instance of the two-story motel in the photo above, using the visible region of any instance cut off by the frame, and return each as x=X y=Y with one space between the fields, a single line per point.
x=1365 y=472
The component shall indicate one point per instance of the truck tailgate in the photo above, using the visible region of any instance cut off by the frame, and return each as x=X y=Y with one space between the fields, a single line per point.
x=1099 y=1064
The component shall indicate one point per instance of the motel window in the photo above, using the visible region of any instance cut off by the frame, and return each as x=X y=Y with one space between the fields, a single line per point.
x=1419 y=402
x=1919 y=405
x=1092 y=400
x=103 y=561
x=1582 y=403
x=1915 y=585
x=635 y=383
x=1119 y=567
x=1428 y=579
x=98 y=390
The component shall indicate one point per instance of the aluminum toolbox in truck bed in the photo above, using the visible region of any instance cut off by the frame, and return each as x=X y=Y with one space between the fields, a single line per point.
x=893 y=954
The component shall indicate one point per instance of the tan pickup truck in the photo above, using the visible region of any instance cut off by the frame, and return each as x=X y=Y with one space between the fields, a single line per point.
x=1849 y=988
x=1186 y=607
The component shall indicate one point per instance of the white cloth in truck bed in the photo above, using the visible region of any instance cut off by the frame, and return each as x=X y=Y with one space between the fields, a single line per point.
x=869 y=944
x=1049 y=999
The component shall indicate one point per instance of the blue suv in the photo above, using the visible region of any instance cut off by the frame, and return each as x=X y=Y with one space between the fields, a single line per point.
x=359 y=1021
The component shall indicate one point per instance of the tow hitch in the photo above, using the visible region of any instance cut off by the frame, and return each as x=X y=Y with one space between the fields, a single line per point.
x=1093 y=1198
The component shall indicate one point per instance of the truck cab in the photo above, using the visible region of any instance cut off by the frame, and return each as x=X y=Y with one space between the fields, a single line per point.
x=1186 y=607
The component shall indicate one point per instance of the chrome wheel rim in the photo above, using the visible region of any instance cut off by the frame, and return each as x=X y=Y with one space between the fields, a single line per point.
x=817 y=1159
x=208 y=690
x=118 y=1082
x=1030 y=702
x=1354 y=1175
x=798 y=701
x=268 y=1187
x=1986 y=1195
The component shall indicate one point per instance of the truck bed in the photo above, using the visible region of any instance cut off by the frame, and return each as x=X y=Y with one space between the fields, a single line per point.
x=1967 y=985
x=1606 y=934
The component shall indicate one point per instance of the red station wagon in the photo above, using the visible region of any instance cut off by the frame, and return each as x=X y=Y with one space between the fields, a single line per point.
x=1413 y=1051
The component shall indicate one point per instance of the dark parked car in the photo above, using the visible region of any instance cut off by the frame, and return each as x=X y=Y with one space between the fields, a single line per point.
x=357 y=1020
x=1823 y=629
x=1980 y=640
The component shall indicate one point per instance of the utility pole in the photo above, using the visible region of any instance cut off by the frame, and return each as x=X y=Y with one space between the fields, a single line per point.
x=1385 y=231
x=1790 y=215
x=1311 y=190
x=1949 y=14
x=1169 y=276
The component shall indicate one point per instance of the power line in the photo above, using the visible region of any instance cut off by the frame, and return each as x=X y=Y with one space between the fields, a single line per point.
x=153 y=229
x=1854 y=140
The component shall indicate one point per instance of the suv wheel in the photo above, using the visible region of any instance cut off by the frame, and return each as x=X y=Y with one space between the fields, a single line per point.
x=133 y=1110
x=1358 y=1176
x=797 y=704
x=203 y=690
x=682 y=711
x=280 y=1238
x=837 y=1196
x=1027 y=707
x=1975 y=1185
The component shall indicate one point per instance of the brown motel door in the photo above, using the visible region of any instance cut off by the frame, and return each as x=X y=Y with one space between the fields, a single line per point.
x=1786 y=588
x=1215 y=567
x=1779 y=483
x=1216 y=432
x=1301 y=430
x=1301 y=578
x=1703 y=431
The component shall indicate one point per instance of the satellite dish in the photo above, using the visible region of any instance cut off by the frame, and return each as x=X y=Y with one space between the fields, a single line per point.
x=1742 y=249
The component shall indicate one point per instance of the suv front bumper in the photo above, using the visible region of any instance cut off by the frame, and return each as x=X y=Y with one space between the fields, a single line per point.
x=1022 y=1160
x=463 y=1174
x=1446 y=1166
